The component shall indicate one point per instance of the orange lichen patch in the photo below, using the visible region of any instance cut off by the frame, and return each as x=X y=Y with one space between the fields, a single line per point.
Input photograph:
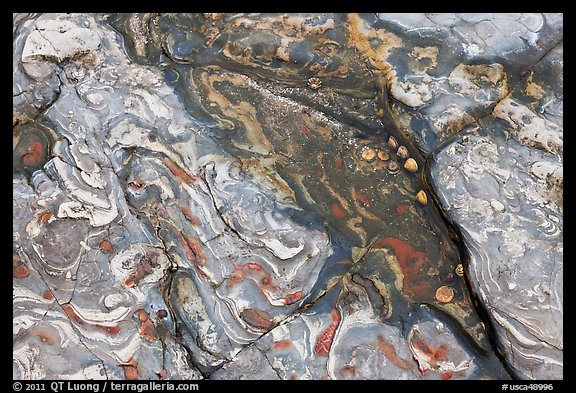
x=434 y=355
x=189 y=215
x=339 y=162
x=324 y=341
x=235 y=278
x=130 y=372
x=44 y=336
x=283 y=345
x=48 y=295
x=337 y=211
x=132 y=281
x=401 y=208
x=44 y=216
x=292 y=298
x=148 y=330
x=68 y=309
x=112 y=330
x=179 y=173
x=105 y=245
x=34 y=155
x=141 y=315
x=362 y=198
x=258 y=319
x=445 y=294
x=19 y=268
x=390 y=352
x=411 y=262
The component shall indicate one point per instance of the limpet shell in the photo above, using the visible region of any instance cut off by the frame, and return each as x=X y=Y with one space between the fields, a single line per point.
x=368 y=154
x=459 y=270
x=411 y=165
x=403 y=152
x=392 y=142
x=383 y=155
x=393 y=167
x=421 y=197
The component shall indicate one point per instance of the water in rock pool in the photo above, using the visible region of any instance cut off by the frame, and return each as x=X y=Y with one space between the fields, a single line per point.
x=230 y=196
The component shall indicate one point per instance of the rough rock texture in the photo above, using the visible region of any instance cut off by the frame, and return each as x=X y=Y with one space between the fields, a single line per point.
x=189 y=204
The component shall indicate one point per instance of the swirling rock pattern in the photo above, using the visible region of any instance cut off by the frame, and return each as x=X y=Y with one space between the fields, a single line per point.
x=188 y=205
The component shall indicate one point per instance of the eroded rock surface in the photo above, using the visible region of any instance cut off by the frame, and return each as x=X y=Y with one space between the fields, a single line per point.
x=189 y=204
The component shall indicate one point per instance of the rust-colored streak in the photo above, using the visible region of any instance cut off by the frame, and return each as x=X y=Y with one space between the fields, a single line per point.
x=189 y=215
x=304 y=130
x=390 y=352
x=72 y=314
x=283 y=345
x=258 y=319
x=339 y=162
x=132 y=281
x=179 y=173
x=44 y=216
x=192 y=250
x=412 y=263
x=401 y=209
x=337 y=211
x=324 y=341
x=362 y=198
x=292 y=298
x=234 y=278
x=112 y=330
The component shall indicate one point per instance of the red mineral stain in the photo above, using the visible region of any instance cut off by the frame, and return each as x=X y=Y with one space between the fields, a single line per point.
x=411 y=263
x=446 y=375
x=72 y=314
x=47 y=295
x=192 y=250
x=253 y=266
x=318 y=173
x=179 y=173
x=339 y=162
x=401 y=209
x=337 y=211
x=20 y=271
x=362 y=198
x=258 y=319
x=19 y=268
x=283 y=345
x=130 y=372
x=434 y=355
x=390 y=352
x=34 y=156
x=293 y=376
x=145 y=263
x=137 y=183
x=161 y=314
x=189 y=215
x=105 y=246
x=292 y=298
x=44 y=216
x=324 y=341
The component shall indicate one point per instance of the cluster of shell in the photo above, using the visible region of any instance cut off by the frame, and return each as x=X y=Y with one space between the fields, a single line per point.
x=176 y=219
